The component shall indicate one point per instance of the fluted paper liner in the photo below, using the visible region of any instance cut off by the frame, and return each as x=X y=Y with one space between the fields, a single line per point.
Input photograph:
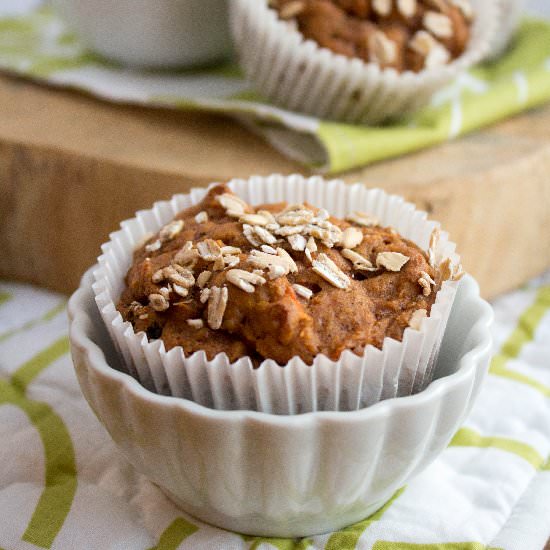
x=352 y=382
x=299 y=75
x=508 y=17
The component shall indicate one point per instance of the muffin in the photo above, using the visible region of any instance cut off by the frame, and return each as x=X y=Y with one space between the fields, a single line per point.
x=280 y=306
x=359 y=61
x=276 y=281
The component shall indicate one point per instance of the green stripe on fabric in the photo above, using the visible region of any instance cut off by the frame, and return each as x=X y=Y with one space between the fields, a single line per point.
x=60 y=477
x=5 y=296
x=546 y=467
x=32 y=368
x=46 y=65
x=384 y=545
x=175 y=534
x=349 y=145
x=502 y=371
x=527 y=325
x=522 y=335
x=467 y=437
x=280 y=544
x=48 y=316
x=347 y=538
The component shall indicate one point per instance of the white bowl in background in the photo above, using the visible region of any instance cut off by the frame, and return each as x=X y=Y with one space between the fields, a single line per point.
x=151 y=33
x=273 y=475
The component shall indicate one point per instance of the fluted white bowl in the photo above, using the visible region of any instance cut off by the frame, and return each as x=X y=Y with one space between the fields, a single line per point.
x=284 y=476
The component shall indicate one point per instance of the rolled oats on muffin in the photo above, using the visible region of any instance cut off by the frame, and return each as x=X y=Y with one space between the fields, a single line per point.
x=254 y=296
x=360 y=61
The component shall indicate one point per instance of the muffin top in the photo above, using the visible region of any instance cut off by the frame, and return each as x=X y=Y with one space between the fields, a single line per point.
x=277 y=281
x=401 y=34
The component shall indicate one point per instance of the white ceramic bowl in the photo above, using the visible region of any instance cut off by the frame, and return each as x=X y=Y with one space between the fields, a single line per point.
x=285 y=476
x=146 y=33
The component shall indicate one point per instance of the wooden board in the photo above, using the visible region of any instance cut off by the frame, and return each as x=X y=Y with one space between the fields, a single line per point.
x=72 y=167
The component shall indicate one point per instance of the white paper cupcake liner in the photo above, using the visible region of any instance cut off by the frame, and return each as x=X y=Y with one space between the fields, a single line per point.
x=352 y=382
x=301 y=76
x=508 y=17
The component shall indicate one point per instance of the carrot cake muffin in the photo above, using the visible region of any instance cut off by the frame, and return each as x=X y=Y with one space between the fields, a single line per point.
x=400 y=34
x=276 y=281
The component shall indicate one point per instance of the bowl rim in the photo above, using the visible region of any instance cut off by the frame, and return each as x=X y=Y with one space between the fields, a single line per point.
x=80 y=324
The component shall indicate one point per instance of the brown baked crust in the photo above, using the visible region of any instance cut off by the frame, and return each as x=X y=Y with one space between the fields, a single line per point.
x=275 y=320
x=399 y=34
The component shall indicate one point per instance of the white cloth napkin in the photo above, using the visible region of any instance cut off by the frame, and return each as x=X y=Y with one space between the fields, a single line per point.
x=64 y=485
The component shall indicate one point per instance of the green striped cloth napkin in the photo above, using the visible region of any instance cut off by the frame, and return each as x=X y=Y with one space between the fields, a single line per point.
x=34 y=43
x=64 y=485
